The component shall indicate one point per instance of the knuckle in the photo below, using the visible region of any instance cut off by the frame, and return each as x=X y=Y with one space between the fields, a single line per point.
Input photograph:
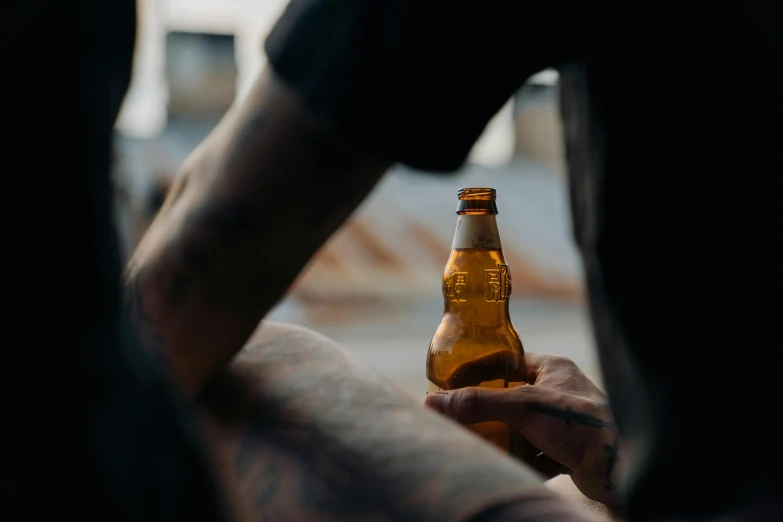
x=467 y=401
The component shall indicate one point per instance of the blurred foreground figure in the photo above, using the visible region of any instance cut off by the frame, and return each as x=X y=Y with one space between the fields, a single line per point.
x=90 y=429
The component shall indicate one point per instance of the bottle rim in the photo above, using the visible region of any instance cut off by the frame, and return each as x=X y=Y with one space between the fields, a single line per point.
x=483 y=193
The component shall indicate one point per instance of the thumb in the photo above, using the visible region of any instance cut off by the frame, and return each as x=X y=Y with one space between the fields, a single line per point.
x=469 y=405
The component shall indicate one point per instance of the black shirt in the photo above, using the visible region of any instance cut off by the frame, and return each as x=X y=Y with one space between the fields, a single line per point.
x=672 y=126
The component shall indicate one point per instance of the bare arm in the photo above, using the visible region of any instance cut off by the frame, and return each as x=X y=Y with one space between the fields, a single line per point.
x=249 y=208
x=301 y=431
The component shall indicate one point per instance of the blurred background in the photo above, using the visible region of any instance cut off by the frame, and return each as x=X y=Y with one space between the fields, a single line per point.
x=376 y=286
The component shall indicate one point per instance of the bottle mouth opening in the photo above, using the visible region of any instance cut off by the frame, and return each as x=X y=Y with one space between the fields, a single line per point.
x=478 y=201
x=485 y=194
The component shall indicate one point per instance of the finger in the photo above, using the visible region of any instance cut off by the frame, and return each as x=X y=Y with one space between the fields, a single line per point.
x=510 y=405
x=469 y=405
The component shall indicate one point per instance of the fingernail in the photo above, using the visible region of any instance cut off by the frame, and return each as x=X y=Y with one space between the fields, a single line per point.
x=437 y=400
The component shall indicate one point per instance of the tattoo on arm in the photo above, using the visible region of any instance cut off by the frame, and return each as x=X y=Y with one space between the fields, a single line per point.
x=289 y=469
x=355 y=450
x=211 y=247
x=570 y=416
x=266 y=457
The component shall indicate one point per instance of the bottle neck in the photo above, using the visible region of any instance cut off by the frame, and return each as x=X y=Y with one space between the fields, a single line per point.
x=476 y=231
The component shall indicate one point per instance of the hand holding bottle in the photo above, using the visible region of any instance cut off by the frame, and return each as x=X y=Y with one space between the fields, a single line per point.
x=563 y=414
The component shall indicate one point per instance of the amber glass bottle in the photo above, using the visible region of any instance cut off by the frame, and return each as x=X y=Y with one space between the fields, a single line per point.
x=476 y=344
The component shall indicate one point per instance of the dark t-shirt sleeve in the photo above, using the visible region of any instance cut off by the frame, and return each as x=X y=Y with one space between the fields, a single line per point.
x=416 y=81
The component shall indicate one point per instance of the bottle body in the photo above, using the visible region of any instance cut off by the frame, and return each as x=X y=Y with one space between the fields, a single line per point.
x=476 y=343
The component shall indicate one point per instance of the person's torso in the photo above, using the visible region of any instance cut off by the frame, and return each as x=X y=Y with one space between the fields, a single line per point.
x=672 y=125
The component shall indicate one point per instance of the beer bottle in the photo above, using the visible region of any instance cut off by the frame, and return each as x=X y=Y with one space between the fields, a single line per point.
x=476 y=344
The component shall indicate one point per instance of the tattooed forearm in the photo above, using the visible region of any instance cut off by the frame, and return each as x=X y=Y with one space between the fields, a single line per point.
x=268 y=180
x=327 y=488
x=570 y=416
x=327 y=439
